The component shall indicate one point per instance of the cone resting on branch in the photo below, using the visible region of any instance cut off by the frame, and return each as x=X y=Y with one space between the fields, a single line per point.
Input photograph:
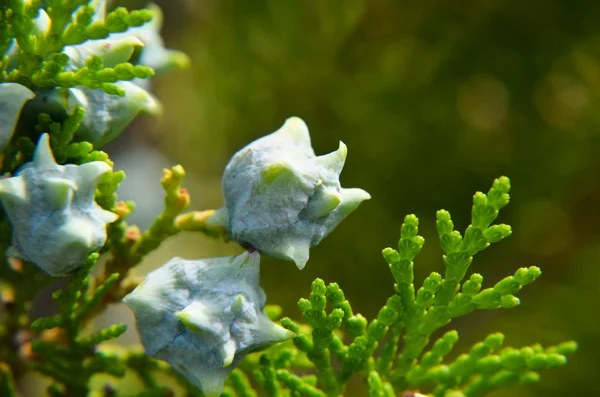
x=204 y=316
x=281 y=198
x=55 y=220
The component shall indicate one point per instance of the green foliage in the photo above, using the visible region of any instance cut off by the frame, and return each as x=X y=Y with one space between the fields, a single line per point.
x=7 y=387
x=336 y=344
x=41 y=59
x=65 y=150
x=415 y=315
x=394 y=352
x=75 y=361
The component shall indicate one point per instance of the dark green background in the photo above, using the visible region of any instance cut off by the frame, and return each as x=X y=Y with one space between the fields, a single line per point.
x=434 y=100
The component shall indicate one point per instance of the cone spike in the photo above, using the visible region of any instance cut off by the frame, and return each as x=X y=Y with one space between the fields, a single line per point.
x=334 y=161
x=89 y=175
x=13 y=190
x=280 y=170
x=238 y=305
x=13 y=97
x=241 y=259
x=91 y=172
x=296 y=130
x=226 y=352
x=108 y=217
x=60 y=191
x=194 y=317
x=212 y=383
x=43 y=157
x=269 y=332
x=297 y=251
x=323 y=203
x=77 y=231
x=151 y=105
x=351 y=198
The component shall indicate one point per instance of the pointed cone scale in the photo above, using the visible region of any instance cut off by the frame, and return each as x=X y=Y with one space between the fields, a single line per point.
x=107 y=216
x=12 y=98
x=240 y=260
x=212 y=383
x=76 y=97
x=226 y=352
x=59 y=191
x=197 y=318
x=322 y=203
x=237 y=307
x=296 y=251
x=152 y=106
x=268 y=332
x=295 y=129
x=76 y=232
x=131 y=299
x=351 y=198
x=91 y=172
x=122 y=110
x=88 y=178
x=138 y=302
x=245 y=259
x=13 y=190
x=334 y=161
x=43 y=157
x=279 y=171
x=137 y=100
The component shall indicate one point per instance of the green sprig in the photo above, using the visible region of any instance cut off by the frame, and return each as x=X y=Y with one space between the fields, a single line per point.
x=42 y=61
x=7 y=387
x=413 y=316
x=73 y=364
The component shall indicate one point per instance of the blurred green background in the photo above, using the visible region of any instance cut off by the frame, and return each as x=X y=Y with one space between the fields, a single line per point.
x=434 y=100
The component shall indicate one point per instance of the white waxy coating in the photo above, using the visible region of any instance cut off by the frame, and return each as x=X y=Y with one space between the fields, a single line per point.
x=204 y=316
x=12 y=98
x=55 y=221
x=281 y=198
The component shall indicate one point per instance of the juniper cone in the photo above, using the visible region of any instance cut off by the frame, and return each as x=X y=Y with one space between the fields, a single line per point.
x=55 y=220
x=96 y=74
x=281 y=198
x=203 y=316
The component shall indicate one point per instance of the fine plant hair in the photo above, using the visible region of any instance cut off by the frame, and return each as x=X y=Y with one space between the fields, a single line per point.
x=72 y=77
